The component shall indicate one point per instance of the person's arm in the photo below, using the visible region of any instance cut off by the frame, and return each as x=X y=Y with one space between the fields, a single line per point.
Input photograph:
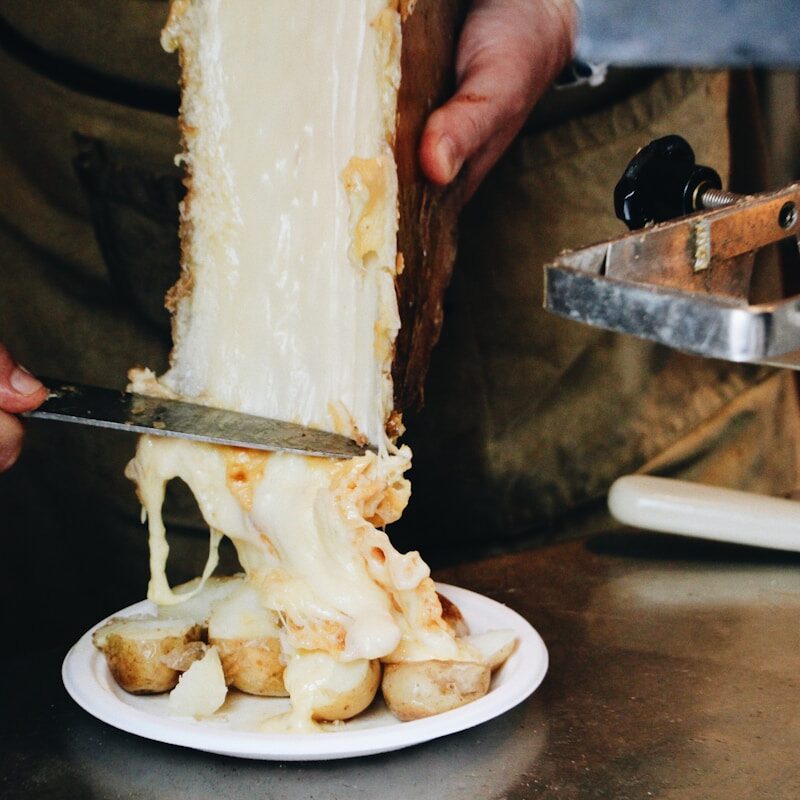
x=19 y=391
x=509 y=54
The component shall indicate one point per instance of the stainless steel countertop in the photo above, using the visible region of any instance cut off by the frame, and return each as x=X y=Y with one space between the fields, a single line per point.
x=675 y=673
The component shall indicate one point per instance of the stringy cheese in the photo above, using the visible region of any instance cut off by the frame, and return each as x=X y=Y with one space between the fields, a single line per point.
x=287 y=309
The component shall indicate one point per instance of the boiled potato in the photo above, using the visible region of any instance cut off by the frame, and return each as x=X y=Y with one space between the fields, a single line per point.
x=452 y=615
x=139 y=651
x=253 y=666
x=331 y=690
x=247 y=637
x=348 y=694
x=495 y=646
x=416 y=689
x=201 y=690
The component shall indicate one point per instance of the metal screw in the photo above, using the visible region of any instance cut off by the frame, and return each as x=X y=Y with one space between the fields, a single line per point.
x=708 y=197
x=787 y=216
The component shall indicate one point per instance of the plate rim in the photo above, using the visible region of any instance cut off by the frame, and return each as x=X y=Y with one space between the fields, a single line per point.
x=529 y=661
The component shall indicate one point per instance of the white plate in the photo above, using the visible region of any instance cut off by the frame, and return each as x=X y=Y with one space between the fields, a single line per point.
x=230 y=732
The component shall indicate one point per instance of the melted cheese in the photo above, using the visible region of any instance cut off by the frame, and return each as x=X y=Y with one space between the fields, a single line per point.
x=287 y=309
x=314 y=680
x=334 y=579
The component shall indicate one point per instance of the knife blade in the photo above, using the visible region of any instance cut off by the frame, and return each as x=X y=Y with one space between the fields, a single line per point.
x=156 y=416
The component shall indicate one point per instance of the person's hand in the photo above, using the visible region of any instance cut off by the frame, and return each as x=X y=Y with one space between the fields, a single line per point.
x=19 y=391
x=509 y=53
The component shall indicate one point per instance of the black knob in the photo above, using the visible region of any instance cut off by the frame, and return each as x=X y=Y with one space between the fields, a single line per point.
x=662 y=182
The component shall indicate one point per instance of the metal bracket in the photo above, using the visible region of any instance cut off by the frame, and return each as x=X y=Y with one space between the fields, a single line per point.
x=684 y=283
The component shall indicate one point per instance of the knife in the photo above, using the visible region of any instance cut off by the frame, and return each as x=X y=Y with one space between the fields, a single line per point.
x=157 y=416
x=707 y=512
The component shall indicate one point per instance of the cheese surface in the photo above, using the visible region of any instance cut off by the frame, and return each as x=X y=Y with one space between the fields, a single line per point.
x=289 y=118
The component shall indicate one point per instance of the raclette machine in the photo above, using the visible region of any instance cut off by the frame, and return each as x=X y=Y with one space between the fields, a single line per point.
x=682 y=276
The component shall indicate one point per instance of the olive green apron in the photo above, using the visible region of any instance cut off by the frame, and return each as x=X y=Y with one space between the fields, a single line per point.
x=528 y=420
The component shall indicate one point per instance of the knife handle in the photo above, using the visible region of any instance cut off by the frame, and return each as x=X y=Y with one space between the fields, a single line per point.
x=707 y=512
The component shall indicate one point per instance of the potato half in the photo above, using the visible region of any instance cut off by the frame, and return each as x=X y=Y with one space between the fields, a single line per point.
x=247 y=637
x=252 y=665
x=417 y=689
x=350 y=694
x=201 y=690
x=139 y=651
x=495 y=646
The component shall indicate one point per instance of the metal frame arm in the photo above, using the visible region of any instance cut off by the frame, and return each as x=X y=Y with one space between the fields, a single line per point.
x=685 y=283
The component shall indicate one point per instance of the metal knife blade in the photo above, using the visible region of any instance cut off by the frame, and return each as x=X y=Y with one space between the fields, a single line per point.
x=136 y=413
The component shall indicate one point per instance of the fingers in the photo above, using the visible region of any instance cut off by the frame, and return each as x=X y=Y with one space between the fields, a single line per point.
x=19 y=391
x=10 y=440
x=509 y=53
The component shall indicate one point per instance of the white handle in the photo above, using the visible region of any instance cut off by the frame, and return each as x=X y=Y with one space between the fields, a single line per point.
x=690 y=509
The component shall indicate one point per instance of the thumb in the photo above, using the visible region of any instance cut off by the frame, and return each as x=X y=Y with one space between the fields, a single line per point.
x=484 y=108
x=508 y=54
x=19 y=390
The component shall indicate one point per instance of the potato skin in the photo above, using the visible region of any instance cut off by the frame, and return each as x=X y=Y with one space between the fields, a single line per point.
x=347 y=704
x=417 y=689
x=136 y=664
x=252 y=665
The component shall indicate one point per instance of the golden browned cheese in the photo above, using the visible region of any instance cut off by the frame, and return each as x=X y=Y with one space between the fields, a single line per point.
x=245 y=468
